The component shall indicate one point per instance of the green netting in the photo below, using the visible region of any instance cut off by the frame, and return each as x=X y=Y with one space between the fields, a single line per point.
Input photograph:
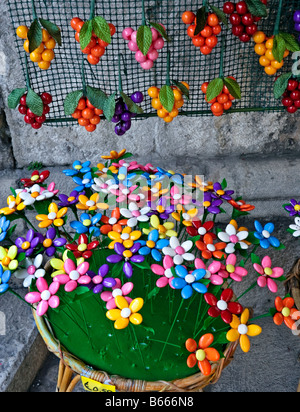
x=187 y=63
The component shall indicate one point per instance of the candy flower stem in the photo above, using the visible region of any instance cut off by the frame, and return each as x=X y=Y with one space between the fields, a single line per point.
x=277 y=21
x=83 y=78
x=170 y=331
x=246 y=291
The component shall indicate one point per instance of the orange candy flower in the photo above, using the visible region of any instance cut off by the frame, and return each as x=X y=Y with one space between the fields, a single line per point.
x=202 y=353
x=286 y=312
x=113 y=223
x=208 y=249
x=114 y=155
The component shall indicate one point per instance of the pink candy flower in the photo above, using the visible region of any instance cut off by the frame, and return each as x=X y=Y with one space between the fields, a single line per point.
x=164 y=272
x=45 y=297
x=236 y=273
x=74 y=275
x=117 y=290
x=267 y=274
x=214 y=271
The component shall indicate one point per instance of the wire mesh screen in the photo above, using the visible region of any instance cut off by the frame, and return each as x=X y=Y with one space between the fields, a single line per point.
x=187 y=63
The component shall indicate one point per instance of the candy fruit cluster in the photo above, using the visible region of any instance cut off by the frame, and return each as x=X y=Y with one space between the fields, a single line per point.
x=168 y=117
x=263 y=47
x=207 y=39
x=29 y=117
x=87 y=115
x=122 y=117
x=146 y=62
x=297 y=22
x=96 y=48
x=220 y=103
x=44 y=54
x=243 y=23
x=291 y=97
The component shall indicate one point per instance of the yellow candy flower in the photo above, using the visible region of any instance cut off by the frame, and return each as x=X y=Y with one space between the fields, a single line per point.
x=114 y=155
x=54 y=217
x=8 y=258
x=14 y=204
x=126 y=313
x=240 y=330
x=85 y=203
x=126 y=237
x=103 y=169
x=165 y=229
x=203 y=186
x=187 y=216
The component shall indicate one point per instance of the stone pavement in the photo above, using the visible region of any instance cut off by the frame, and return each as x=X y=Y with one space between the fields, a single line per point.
x=273 y=362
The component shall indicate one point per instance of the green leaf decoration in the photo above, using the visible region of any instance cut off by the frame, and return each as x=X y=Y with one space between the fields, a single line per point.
x=184 y=90
x=34 y=103
x=96 y=96
x=291 y=43
x=85 y=35
x=160 y=30
x=221 y=15
x=144 y=39
x=201 y=20
x=35 y=35
x=280 y=84
x=101 y=29
x=71 y=102
x=109 y=107
x=14 y=97
x=279 y=47
x=233 y=87
x=53 y=30
x=257 y=8
x=255 y=258
x=166 y=97
x=132 y=107
x=214 y=88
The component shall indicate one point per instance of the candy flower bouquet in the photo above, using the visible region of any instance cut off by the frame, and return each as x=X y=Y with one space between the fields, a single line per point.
x=133 y=274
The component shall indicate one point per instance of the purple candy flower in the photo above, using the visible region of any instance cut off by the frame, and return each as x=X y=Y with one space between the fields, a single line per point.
x=100 y=281
x=66 y=201
x=135 y=258
x=28 y=244
x=212 y=205
x=54 y=243
x=293 y=208
x=169 y=209
x=220 y=193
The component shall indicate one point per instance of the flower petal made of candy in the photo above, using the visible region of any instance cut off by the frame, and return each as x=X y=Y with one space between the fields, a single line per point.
x=245 y=343
x=71 y=286
x=258 y=226
x=212 y=354
x=278 y=319
x=199 y=287
x=174 y=242
x=274 y=241
x=121 y=323
x=41 y=284
x=178 y=283
x=232 y=335
x=191 y=360
x=235 y=322
x=191 y=345
x=114 y=258
x=258 y=268
x=136 y=318
x=226 y=316
x=272 y=285
x=266 y=262
x=254 y=330
x=187 y=291
x=206 y=340
x=136 y=305
x=156 y=255
x=210 y=299
x=157 y=269
x=113 y=314
x=224 y=237
x=214 y=312
x=245 y=316
x=33 y=297
x=42 y=308
x=163 y=282
x=205 y=367
x=54 y=302
x=288 y=302
x=169 y=251
x=235 y=308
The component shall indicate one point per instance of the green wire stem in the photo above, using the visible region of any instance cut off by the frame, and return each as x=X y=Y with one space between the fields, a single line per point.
x=278 y=16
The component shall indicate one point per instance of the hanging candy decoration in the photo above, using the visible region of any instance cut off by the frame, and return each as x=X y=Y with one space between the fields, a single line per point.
x=287 y=88
x=146 y=41
x=296 y=18
x=40 y=40
x=204 y=26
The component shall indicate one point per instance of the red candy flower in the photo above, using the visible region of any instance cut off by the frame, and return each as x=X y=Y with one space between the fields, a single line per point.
x=199 y=229
x=36 y=177
x=223 y=307
x=83 y=248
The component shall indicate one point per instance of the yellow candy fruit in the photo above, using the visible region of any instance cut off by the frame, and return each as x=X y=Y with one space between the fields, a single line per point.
x=44 y=65
x=35 y=57
x=46 y=36
x=259 y=37
x=270 y=70
x=48 y=55
x=22 y=32
x=50 y=44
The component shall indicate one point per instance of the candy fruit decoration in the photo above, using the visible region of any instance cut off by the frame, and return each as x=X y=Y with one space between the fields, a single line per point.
x=297 y=22
x=220 y=93
x=146 y=43
x=44 y=53
x=87 y=115
x=32 y=106
x=244 y=16
x=203 y=28
x=94 y=36
x=122 y=116
x=287 y=88
x=166 y=107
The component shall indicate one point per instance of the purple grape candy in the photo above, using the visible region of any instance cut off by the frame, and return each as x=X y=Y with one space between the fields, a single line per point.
x=297 y=26
x=137 y=97
x=126 y=116
x=119 y=108
x=297 y=16
x=126 y=125
x=118 y=130
x=116 y=118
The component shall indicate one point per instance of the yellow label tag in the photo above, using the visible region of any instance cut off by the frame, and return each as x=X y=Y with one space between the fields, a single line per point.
x=94 y=386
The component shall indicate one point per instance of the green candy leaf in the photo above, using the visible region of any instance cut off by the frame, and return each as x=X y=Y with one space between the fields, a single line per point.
x=86 y=34
x=14 y=97
x=144 y=39
x=233 y=87
x=132 y=107
x=71 y=102
x=280 y=84
x=214 y=88
x=101 y=29
x=166 y=97
x=201 y=20
x=96 y=96
x=184 y=90
x=221 y=15
x=35 y=35
x=257 y=8
x=34 y=103
x=279 y=47
x=53 y=30
x=109 y=107
x=160 y=30
x=290 y=42
x=255 y=258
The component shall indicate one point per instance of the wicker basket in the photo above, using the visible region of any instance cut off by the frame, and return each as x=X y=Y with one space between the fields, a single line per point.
x=293 y=283
x=71 y=369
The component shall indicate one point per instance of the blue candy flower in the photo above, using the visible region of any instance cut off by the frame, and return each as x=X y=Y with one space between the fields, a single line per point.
x=4 y=279
x=264 y=235
x=78 y=167
x=188 y=282
x=85 y=182
x=87 y=224
x=174 y=177
x=153 y=245
x=4 y=225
